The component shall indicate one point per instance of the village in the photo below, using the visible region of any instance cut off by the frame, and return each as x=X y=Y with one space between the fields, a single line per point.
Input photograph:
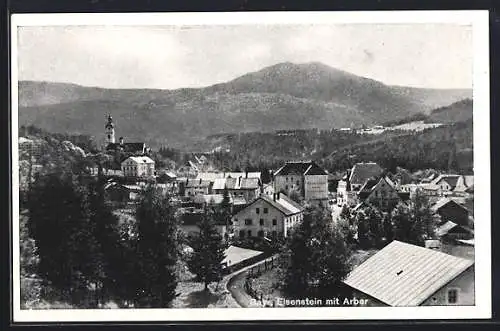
x=263 y=214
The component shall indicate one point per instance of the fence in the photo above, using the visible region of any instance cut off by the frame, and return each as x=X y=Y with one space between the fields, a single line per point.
x=257 y=271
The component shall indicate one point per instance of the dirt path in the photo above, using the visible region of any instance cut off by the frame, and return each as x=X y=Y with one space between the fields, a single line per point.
x=235 y=285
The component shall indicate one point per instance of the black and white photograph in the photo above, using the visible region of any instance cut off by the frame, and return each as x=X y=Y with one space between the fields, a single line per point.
x=312 y=165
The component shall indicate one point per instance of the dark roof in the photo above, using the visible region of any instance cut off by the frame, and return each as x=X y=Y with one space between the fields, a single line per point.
x=450 y=179
x=127 y=147
x=404 y=196
x=314 y=169
x=446 y=201
x=361 y=172
x=300 y=168
x=370 y=184
x=198 y=183
x=191 y=218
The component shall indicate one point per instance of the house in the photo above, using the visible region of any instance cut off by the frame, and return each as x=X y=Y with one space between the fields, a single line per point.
x=210 y=199
x=117 y=193
x=403 y=275
x=267 y=216
x=268 y=189
x=449 y=210
x=138 y=166
x=305 y=178
x=361 y=172
x=447 y=182
x=166 y=177
x=352 y=182
x=189 y=221
x=380 y=192
x=243 y=187
x=450 y=231
x=213 y=175
x=194 y=187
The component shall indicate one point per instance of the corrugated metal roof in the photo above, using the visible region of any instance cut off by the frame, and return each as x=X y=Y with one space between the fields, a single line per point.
x=212 y=176
x=402 y=274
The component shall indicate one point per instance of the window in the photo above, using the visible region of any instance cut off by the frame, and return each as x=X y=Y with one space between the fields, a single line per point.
x=248 y=221
x=297 y=183
x=275 y=222
x=261 y=222
x=257 y=210
x=266 y=210
x=242 y=233
x=453 y=295
x=260 y=233
x=286 y=187
x=249 y=233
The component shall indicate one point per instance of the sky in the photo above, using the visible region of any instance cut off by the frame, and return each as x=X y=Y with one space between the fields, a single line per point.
x=169 y=57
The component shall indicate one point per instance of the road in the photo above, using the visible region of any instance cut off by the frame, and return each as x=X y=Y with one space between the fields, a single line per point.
x=235 y=285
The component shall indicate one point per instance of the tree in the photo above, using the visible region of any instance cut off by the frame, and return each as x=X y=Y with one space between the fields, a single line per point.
x=208 y=252
x=156 y=251
x=61 y=225
x=316 y=257
x=224 y=211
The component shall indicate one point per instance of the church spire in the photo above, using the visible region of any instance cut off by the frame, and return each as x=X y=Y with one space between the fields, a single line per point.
x=110 y=130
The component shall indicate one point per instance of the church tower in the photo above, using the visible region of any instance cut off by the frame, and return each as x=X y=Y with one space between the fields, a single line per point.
x=110 y=131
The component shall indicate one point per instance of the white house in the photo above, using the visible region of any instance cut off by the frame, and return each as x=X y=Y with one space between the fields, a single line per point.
x=267 y=216
x=138 y=166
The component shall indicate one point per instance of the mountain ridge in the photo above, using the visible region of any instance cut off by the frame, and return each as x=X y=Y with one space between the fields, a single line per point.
x=285 y=95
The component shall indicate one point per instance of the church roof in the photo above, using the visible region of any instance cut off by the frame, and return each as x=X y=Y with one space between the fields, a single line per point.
x=127 y=147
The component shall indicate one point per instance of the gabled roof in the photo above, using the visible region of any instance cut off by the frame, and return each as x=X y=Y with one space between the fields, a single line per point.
x=127 y=147
x=210 y=198
x=361 y=172
x=283 y=204
x=300 y=168
x=450 y=226
x=197 y=183
x=212 y=176
x=443 y=202
x=238 y=183
x=402 y=274
x=314 y=170
x=140 y=159
x=450 y=179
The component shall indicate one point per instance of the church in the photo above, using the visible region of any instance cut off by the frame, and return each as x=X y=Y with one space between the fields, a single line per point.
x=134 y=148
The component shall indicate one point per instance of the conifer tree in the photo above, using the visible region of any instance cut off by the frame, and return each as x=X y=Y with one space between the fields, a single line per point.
x=156 y=251
x=208 y=252
x=60 y=223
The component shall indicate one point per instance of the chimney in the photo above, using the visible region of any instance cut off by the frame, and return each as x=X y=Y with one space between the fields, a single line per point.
x=274 y=196
x=121 y=140
x=200 y=181
x=278 y=196
x=246 y=174
x=239 y=181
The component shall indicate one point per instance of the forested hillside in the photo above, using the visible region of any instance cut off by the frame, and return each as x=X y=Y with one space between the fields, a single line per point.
x=446 y=147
